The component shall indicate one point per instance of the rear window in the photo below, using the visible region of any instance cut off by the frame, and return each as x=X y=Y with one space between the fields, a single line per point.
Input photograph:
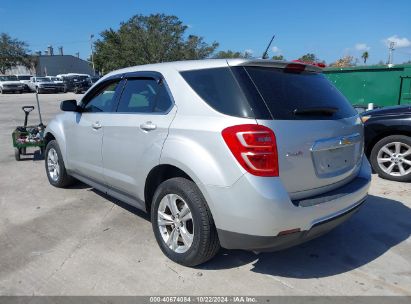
x=284 y=93
x=220 y=90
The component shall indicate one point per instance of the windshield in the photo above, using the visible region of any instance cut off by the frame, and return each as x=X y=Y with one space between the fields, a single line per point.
x=80 y=78
x=8 y=78
x=76 y=78
x=43 y=79
x=22 y=77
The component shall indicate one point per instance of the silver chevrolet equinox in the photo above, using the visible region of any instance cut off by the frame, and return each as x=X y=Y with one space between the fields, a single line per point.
x=243 y=154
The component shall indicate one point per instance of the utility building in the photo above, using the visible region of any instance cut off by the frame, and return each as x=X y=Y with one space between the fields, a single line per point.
x=61 y=64
x=51 y=64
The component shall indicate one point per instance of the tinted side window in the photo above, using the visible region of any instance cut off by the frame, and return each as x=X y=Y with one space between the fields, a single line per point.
x=163 y=100
x=104 y=99
x=144 y=95
x=220 y=90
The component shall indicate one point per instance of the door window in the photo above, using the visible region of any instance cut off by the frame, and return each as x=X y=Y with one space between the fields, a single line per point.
x=144 y=95
x=103 y=100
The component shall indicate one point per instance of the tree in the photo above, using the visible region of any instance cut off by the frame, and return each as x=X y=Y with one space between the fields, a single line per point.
x=232 y=54
x=365 y=56
x=278 y=57
x=309 y=57
x=13 y=52
x=345 y=61
x=148 y=39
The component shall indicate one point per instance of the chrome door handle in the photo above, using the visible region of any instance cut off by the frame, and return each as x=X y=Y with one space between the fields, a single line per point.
x=148 y=126
x=96 y=125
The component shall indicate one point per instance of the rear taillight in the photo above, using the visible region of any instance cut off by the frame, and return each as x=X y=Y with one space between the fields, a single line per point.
x=254 y=147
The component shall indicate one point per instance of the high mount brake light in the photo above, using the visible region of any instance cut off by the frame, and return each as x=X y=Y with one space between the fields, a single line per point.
x=294 y=68
x=254 y=147
x=318 y=64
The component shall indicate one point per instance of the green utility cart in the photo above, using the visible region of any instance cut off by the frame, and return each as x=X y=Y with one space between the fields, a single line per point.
x=28 y=136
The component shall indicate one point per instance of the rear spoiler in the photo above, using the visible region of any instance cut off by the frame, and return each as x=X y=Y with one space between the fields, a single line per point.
x=276 y=64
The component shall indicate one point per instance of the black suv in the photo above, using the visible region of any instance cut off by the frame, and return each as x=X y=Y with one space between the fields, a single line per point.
x=76 y=83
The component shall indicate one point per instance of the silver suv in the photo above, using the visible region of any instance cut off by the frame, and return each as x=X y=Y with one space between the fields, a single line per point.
x=247 y=154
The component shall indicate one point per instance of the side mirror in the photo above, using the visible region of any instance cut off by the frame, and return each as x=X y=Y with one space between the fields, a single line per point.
x=69 y=105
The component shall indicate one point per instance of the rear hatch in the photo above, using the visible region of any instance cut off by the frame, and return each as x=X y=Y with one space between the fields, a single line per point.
x=319 y=136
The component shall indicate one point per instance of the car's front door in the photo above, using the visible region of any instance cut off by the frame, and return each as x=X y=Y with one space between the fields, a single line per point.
x=134 y=135
x=84 y=138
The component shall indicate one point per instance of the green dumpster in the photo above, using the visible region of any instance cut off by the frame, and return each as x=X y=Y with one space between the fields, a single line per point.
x=378 y=84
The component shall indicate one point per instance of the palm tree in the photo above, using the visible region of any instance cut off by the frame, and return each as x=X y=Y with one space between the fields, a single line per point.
x=365 y=56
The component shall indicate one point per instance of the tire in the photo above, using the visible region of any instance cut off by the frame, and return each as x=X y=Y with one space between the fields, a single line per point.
x=205 y=243
x=59 y=178
x=38 y=91
x=381 y=160
x=17 y=154
x=1 y=91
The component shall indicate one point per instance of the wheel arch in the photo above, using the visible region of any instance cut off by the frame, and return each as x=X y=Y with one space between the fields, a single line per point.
x=156 y=176
x=55 y=131
x=48 y=137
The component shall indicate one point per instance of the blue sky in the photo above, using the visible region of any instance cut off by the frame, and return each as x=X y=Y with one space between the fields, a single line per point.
x=330 y=29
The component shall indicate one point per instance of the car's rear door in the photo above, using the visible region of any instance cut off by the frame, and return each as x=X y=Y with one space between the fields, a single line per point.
x=134 y=135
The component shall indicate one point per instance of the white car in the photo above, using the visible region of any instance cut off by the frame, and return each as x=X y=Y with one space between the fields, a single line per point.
x=43 y=85
x=59 y=81
x=25 y=80
x=10 y=84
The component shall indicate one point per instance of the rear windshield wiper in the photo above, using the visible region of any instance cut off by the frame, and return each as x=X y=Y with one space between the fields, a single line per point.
x=327 y=111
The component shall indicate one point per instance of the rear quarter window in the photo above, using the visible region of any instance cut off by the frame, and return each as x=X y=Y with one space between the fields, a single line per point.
x=220 y=90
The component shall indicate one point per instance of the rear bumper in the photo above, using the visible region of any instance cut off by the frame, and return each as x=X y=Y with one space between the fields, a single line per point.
x=255 y=210
x=232 y=240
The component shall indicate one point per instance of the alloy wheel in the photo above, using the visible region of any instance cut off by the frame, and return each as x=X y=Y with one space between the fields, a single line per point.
x=175 y=223
x=395 y=159
x=53 y=164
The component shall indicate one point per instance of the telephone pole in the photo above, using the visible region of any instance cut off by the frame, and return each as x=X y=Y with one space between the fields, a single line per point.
x=92 y=56
x=390 y=52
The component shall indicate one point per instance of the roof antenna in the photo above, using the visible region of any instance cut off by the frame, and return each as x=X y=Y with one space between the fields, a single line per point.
x=265 y=55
